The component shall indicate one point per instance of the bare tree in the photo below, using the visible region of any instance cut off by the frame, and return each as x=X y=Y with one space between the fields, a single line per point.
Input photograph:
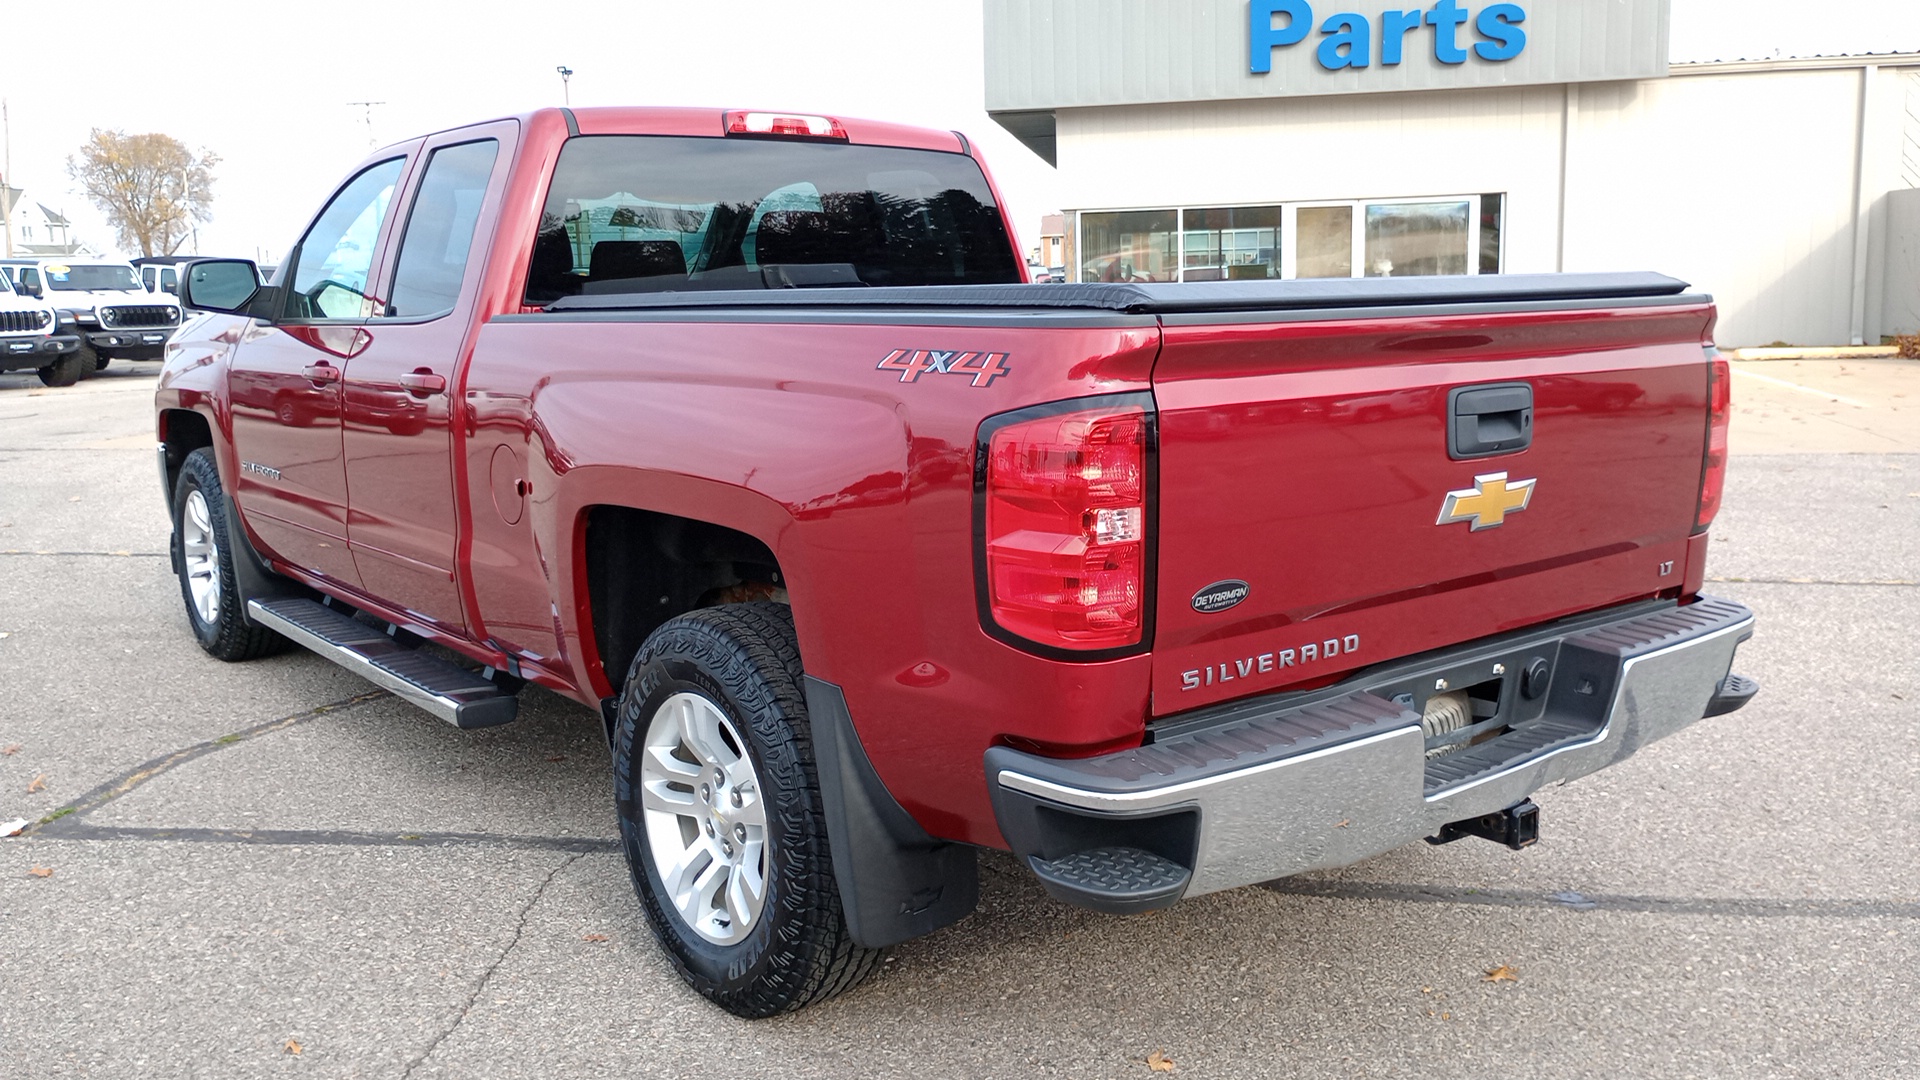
x=151 y=187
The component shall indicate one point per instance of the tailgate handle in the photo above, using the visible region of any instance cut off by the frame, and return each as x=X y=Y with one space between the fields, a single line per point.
x=1486 y=420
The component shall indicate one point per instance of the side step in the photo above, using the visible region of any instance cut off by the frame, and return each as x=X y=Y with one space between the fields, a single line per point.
x=452 y=693
x=1116 y=880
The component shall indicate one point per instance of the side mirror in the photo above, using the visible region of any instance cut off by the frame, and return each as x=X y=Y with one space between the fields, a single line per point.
x=33 y=289
x=226 y=286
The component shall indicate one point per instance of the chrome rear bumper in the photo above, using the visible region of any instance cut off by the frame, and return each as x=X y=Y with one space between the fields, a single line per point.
x=1328 y=780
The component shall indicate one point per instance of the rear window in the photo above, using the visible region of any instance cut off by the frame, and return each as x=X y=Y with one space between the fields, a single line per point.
x=644 y=214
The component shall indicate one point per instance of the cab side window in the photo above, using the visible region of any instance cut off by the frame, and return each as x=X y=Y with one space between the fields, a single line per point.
x=439 y=236
x=329 y=279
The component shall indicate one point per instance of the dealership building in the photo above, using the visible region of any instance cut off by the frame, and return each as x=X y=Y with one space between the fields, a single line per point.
x=1207 y=140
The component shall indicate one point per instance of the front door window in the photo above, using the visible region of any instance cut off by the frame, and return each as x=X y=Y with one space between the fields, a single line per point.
x=333 y=261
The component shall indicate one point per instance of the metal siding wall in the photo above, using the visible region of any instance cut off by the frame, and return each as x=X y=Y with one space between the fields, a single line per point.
x=1742 y=184
x=1047 y=54
x=1910 y=142
x=1901 y=311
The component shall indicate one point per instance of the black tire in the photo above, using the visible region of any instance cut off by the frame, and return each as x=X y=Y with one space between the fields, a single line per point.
x=229 y=634
x=69 y=369
x=745 y=659
x=99 y=362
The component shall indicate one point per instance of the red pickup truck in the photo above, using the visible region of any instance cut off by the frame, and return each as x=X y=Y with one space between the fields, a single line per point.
x=745 y=430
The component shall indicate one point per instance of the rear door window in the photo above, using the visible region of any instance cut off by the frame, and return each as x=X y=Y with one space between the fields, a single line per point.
x=439 y=236
x=639 y=214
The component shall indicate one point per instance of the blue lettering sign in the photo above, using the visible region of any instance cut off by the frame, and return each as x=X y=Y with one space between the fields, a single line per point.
x=1347 y=37
x=1505 y=39
x=1349 y=32
x=1265 y=38
x=1447 y=18
x=1394 y=28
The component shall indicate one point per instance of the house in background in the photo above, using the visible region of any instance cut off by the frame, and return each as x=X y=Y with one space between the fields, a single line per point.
x=34 y=230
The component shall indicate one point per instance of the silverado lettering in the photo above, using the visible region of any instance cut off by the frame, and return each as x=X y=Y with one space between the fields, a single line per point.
x=588 y=399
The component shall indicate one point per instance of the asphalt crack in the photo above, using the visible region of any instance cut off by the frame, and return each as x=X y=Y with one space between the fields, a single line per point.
x=17 y=552
x=486 y=977
x=579 y=845
x=67 y=819
x=1741 y=907
x=1894 y=583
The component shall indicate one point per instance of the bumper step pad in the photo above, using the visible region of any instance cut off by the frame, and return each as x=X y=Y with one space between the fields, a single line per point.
x=1117 y=880
x=454 y=694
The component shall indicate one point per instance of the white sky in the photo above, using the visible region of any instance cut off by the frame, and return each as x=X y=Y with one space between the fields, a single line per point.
x=265 y=85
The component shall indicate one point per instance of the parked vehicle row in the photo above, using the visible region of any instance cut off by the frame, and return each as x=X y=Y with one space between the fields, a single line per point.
x=31 y=339
x=102 y=305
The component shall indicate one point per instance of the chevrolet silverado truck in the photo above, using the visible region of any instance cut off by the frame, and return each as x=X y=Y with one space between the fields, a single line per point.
x=743 y=430
x=30 y=340
x=105 y=305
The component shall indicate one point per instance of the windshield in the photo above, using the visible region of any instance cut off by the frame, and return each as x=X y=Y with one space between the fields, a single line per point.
x=5 y=285
x=639 y=214
x=97 y=277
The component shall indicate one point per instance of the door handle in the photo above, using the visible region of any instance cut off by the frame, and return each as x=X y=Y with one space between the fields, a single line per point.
x=321 y=372
x=422 y=382
x=1487 y=420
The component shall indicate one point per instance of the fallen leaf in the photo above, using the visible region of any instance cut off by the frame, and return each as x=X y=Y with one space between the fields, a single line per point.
x=558 y=757
x=40 y=871
x=1344 y=824
x=294 y=1047
x=10 y=751
x=1503 y=973
x=593 y=937
x=1158 y=1061
x=38 y=785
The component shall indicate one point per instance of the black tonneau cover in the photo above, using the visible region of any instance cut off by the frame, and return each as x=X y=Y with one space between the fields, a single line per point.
x=1172 y=299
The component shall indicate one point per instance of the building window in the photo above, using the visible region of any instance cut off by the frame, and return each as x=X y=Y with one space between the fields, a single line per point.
x=1323 y=242
x=1453 y=234
x=1417 y=239
x=1234 y=243
x=1136 y=246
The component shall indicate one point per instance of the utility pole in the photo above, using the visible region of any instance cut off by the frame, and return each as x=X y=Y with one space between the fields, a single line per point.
x=6 y=170
x=368 y=105
x=566 y=91
x=186 y=196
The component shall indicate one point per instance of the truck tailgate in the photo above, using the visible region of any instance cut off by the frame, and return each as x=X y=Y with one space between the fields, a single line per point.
x=1307 y=457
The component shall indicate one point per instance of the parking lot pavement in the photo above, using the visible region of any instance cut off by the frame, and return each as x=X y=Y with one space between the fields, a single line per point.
x=262 y=856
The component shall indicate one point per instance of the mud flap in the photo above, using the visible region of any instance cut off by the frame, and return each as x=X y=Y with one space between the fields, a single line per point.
x=896 y=882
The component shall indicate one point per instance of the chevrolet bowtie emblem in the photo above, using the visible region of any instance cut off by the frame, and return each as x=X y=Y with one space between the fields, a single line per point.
x=1488 y=502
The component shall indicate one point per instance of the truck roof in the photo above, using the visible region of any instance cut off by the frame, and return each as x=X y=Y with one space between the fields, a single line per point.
x=644 y=120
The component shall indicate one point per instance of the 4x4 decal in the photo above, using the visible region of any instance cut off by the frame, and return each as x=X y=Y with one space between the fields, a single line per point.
x=982 y=367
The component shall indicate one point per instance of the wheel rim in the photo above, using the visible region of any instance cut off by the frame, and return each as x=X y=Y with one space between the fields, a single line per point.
x=705 y=823
x=202 y=557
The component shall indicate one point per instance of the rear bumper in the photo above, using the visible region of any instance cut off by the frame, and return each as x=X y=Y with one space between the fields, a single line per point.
x=1263 y=789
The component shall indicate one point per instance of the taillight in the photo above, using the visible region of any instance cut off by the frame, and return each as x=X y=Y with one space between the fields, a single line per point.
x=1064 y=540
x=784 y=124
x=1713 y=470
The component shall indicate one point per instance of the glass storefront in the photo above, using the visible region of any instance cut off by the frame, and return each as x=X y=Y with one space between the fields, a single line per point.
x=1137 y=246
x=1456 y=234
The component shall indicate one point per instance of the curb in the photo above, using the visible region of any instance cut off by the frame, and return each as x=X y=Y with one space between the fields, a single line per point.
x=1844 y=352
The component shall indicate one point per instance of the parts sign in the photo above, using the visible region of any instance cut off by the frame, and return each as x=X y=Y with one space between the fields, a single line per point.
x=1347 y=38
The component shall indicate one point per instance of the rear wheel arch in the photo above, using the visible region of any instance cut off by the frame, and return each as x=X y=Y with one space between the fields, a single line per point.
x=641 y=568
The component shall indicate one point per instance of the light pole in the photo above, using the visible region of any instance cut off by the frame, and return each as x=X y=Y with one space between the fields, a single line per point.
x=566 y=93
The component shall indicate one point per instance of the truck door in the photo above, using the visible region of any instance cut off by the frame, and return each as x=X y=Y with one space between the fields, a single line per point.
x=284 y=382
x=403 y=518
